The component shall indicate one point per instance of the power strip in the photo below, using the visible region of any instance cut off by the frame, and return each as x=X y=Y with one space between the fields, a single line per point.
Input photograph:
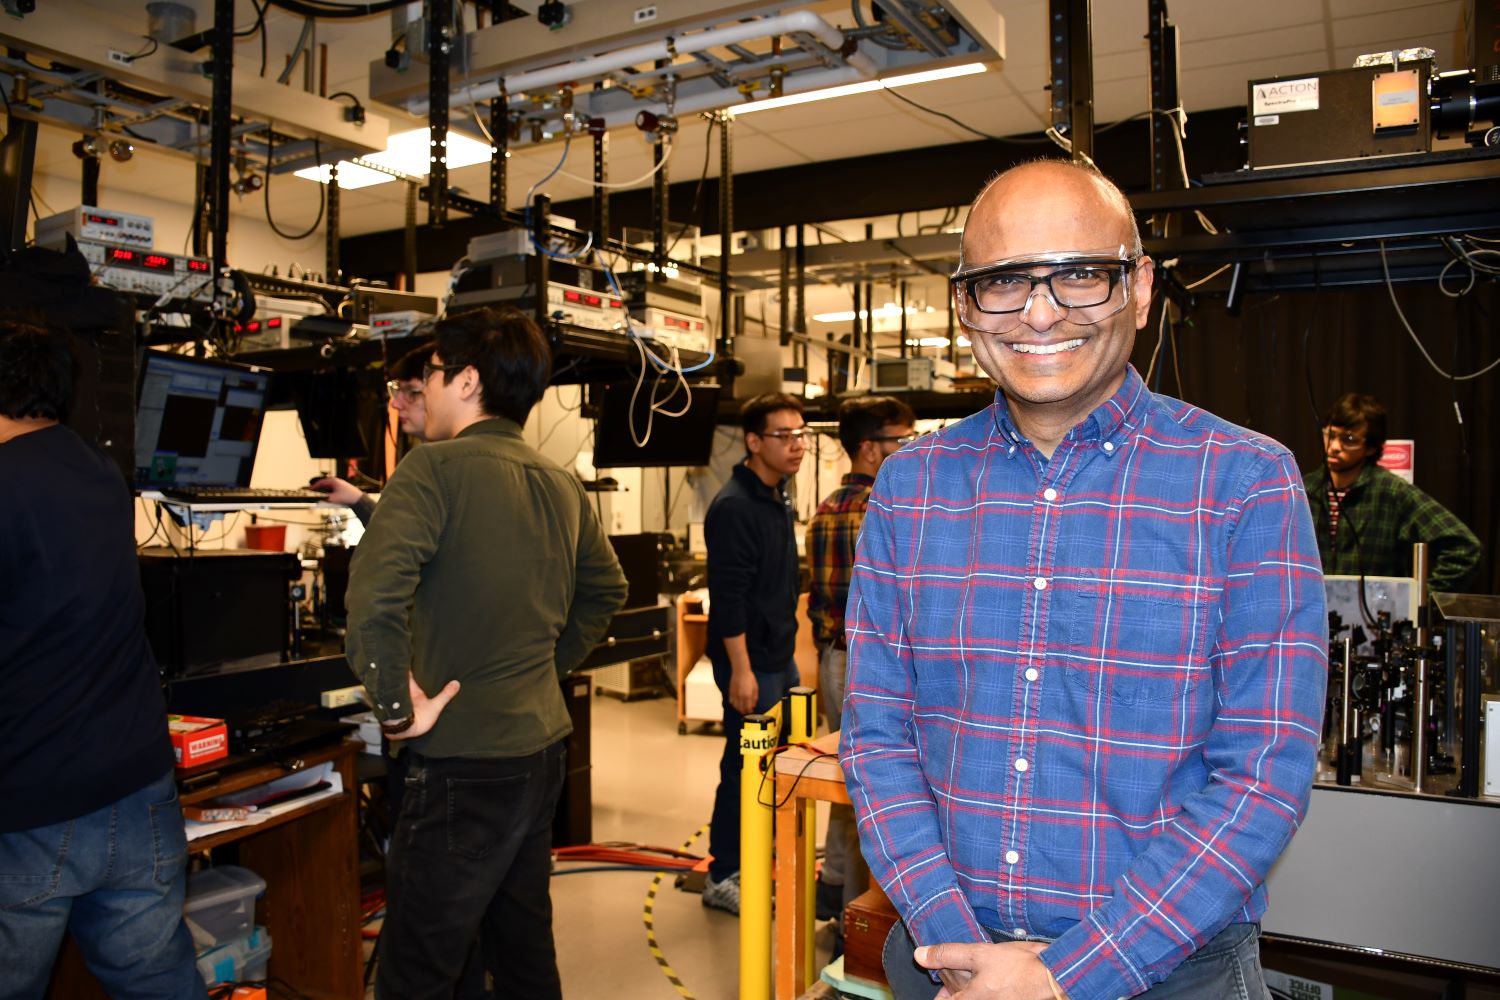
x=341 y=697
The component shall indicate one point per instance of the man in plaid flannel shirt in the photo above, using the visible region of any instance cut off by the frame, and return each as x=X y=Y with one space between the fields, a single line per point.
x=1368 y=518
x=871 y=429
x=1086 y=644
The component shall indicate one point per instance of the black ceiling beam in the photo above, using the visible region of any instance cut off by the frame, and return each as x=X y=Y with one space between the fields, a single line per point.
x=911 y=180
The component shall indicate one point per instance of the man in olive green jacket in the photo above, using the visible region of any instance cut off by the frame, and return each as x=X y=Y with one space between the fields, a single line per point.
x=483 y=577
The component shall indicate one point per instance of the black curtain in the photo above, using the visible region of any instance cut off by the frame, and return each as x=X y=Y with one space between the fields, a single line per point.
x=1278 y=366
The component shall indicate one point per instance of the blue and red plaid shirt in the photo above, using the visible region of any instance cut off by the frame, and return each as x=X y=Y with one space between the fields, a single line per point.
x=1085 y=694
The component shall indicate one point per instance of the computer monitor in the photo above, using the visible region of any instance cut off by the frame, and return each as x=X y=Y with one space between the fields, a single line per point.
x=197 y=422
x=673 y=441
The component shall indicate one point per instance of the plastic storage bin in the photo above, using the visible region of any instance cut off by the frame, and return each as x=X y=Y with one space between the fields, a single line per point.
x=221 y=904
x=240 y=960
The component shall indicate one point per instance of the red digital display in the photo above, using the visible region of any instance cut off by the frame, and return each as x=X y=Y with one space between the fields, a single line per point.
x=157 y=262
x=197 y=265
x=253 y=326
x=102 y=220
x=571 y=296
x=614 y=303
x=592 y=300
x=274 y=323
x=129 y=258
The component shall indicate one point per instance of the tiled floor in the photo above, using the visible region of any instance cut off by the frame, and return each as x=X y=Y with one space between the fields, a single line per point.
x=650 y=786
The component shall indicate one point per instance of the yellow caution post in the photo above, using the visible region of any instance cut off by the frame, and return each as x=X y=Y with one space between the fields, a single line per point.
x=758 y=735
x=804 y=724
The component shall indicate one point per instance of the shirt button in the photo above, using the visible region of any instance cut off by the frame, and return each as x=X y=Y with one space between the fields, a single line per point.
x=395 y=704
x=1031 y=673
x=1019 y=932
x=1011 y=857
x=1021 y=764
x=1039 y=583
x=1109 y=446
x=1050 y=493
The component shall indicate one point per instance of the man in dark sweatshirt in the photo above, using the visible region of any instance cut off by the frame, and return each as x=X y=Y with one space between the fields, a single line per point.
x=91 y=836
x=752 y=607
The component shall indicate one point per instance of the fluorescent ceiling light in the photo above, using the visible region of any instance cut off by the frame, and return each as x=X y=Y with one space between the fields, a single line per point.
x=405 y=153
x=863 y=87
x=351 y=175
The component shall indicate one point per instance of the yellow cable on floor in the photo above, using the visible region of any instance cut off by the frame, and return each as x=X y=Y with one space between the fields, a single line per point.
x=648 y=918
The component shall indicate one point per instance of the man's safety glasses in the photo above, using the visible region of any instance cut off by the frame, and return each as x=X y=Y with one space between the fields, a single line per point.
x=1090 y=287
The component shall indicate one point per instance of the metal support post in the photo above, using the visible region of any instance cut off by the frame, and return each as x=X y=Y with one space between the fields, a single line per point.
x=500 y=132
x=17 y=157
x=541 y=221
x=1161 y=34
x=409 y=239
x=333 y=271
x=90 y=193
x=726 y=228
x=1072 y=74
x=804 y=723
x=758 y=737
x=220 y=126
x=783 y=288
x=799 y=283
x=1473 y=707
x=905 y=347
x=1347 y=750
x=1417 y=718
x=601 y=177
x=438 y=14
x=200 y=218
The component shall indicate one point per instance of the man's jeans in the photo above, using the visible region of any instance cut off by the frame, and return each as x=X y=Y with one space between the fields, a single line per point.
x=1226 y=968
x=115 y=878
x=472 y=852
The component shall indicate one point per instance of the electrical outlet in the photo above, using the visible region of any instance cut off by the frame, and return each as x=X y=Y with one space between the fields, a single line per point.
x=119 y=58
x=340 y=697
x=645 y=15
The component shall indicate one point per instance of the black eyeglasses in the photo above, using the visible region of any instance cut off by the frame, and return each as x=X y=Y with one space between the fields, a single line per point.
x=898 y=438
x=994 y=297
x=429 y=369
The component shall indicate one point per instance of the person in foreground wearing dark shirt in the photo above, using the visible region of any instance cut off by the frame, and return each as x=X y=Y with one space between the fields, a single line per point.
x=483 y=578
x=752 y=607
x=1367 y=517
x=91 y=835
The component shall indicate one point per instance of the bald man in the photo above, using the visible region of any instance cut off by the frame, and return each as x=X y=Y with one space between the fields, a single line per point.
x=1086 y=644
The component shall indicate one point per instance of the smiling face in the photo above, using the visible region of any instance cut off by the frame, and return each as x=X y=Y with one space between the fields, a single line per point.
x=1055 y=367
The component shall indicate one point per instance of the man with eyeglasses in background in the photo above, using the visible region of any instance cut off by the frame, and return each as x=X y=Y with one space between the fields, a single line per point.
x=752 y=607
x=1367 y=517
x=405 y=391
x=1086 y=644
x=871 y=428
x=484 y=577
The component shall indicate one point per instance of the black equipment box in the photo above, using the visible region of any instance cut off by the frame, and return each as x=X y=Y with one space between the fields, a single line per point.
x=1332 y=116
x=217 y=610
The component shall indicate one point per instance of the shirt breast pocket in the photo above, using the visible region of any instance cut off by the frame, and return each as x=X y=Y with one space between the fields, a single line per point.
x=1138 y=649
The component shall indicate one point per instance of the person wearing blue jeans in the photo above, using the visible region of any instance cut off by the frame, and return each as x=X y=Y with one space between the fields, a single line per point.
x=752 y=607
x=91 y=835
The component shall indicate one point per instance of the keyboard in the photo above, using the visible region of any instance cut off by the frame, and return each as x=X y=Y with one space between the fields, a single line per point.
x=238 y=494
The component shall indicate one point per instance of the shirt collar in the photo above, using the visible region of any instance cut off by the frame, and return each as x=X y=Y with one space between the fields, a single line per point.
x=857 y=479
x=492 y=425
x=757 y=486
x=1108 y=427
